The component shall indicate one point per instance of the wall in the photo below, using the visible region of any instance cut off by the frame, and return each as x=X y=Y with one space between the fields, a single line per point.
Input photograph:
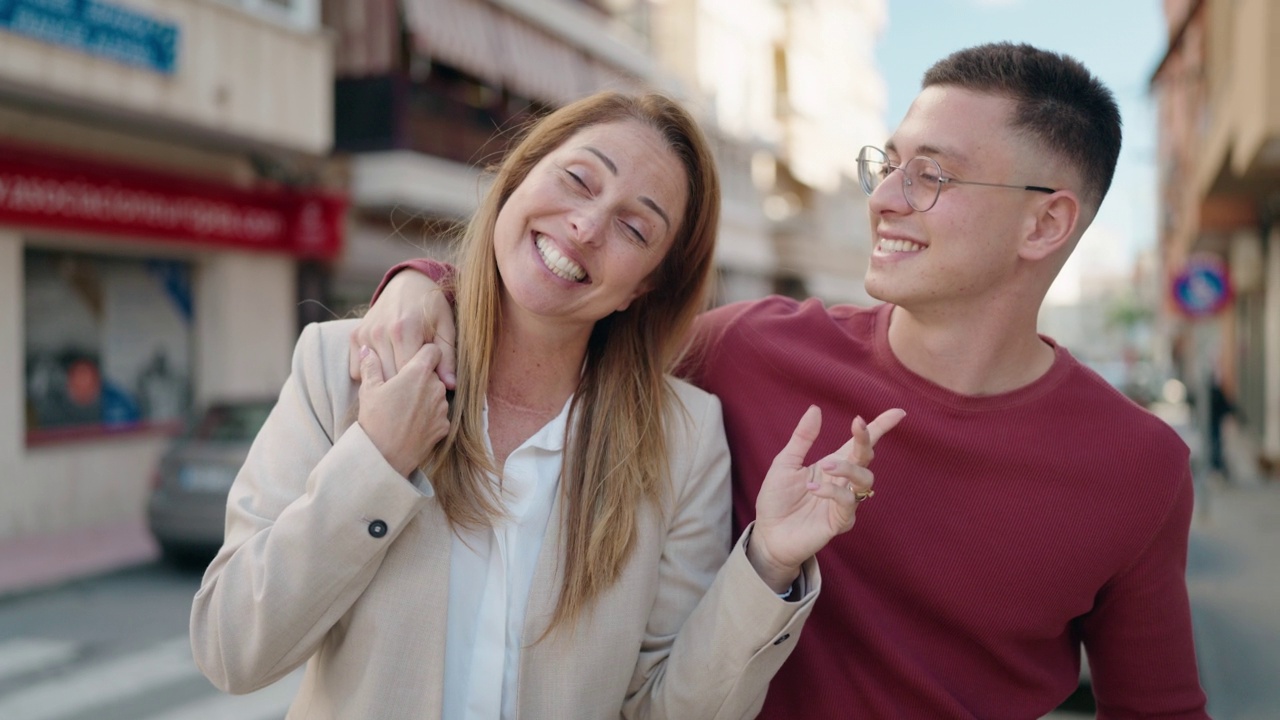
x=237 y=76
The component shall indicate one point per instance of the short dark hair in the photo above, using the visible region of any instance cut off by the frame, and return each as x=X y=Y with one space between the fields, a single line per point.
x=1058 y=102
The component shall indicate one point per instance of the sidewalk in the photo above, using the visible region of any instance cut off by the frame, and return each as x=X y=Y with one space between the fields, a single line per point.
x=48 y=560
x=1233 y=576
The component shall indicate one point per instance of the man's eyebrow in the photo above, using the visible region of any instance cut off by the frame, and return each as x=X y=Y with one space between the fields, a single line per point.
x=603 y=158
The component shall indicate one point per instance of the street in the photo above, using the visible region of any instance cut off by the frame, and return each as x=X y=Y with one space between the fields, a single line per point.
x=115 y=647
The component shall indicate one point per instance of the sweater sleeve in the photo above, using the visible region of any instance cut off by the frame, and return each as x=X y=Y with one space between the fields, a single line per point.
x=434 y=269
x=1139 y=637
x=712 y=655
x=309 y=520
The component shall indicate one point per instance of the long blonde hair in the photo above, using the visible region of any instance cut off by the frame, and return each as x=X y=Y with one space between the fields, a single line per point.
x=616 y=458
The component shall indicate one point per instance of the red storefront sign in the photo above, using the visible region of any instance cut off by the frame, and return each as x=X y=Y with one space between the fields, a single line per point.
x=44 y=190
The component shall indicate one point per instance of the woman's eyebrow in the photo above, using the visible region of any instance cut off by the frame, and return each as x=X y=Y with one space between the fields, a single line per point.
x=603 y=158
x=613 y=168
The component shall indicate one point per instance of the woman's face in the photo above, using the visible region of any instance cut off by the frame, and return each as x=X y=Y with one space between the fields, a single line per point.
x=578 y=238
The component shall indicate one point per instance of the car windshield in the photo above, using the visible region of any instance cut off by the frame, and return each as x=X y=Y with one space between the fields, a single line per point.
x=231 y=423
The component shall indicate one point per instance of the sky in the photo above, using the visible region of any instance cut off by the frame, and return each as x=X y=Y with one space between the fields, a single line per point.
x=1121 y=41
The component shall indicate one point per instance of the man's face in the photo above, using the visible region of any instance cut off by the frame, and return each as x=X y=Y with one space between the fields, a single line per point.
x=962 y=253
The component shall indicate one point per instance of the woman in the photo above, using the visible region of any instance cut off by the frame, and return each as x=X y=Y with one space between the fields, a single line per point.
x=555 y=544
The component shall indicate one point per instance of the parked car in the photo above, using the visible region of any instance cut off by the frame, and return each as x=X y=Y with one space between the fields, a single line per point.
x=188 y=504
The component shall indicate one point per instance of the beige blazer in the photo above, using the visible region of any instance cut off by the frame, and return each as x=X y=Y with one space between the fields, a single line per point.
x=333 y=559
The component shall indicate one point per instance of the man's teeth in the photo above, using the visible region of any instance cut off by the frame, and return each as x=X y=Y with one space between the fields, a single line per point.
x=899 y=246
x=559 y=264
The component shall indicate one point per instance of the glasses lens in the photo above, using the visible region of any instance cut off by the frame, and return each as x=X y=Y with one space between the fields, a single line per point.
x=872 y=167
x=922 y=182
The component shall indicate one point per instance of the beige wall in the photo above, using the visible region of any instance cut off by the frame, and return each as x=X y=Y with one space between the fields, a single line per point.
x=11 y=395
x=246 y=311
x=1271 y=352
x=237 y=75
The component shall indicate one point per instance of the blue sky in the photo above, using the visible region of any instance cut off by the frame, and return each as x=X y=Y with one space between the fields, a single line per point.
x=1121 y=41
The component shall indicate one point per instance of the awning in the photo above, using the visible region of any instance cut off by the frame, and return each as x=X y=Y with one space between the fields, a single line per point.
x=506 y=50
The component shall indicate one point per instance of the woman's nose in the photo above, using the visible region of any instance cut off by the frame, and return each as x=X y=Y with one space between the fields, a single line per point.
x=588 y=224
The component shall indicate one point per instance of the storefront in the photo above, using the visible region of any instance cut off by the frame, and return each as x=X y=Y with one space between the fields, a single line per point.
x=128 y=297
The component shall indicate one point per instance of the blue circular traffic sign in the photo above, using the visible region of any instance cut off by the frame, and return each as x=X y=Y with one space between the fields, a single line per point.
x=1203 y=287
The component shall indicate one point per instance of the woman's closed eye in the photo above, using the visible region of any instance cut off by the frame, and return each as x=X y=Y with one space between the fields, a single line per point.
x=634 y=232
x=577 y=180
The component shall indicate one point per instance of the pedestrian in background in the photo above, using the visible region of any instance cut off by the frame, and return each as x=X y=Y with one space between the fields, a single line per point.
x=555 y=542
x=1028 y=509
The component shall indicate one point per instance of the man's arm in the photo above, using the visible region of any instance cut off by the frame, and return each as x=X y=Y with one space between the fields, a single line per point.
x=1138 y=636
x=408 y=310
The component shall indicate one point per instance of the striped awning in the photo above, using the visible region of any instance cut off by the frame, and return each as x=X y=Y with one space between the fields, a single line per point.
x=505 y=50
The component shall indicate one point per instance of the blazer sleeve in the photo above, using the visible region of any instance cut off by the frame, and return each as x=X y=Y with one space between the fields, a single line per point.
x=309 y=519
x=717 y=633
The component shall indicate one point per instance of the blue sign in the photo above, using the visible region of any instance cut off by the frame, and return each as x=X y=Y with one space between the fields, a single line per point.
x=1203 y=287
x=95 y=28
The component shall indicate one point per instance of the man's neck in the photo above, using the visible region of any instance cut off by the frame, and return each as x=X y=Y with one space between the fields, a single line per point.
x=971 y=356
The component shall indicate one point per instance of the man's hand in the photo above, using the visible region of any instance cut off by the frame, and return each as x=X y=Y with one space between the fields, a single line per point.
x=406 y=415
x=411 y=312
x=800 y=508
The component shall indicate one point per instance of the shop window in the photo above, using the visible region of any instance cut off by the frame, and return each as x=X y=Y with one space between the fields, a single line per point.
x=108 y=344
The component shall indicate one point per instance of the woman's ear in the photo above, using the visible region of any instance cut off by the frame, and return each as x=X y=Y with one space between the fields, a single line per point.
x=1054 y=226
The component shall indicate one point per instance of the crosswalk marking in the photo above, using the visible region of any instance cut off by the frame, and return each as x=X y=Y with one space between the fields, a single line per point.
x=122 y=677
x=269 y=703
x=23 y=655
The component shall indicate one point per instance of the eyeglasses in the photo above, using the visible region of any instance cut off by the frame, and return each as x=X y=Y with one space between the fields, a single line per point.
x=922 y=178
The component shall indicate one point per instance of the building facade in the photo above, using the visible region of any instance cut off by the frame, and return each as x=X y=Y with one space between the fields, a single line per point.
x=790 y=92
x=1218 y=88
x=161 y=186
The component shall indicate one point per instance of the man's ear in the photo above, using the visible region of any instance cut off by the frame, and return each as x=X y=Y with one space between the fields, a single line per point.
x=1053 y=226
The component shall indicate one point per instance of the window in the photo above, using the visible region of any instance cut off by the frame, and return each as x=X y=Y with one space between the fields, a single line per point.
x=108 y=343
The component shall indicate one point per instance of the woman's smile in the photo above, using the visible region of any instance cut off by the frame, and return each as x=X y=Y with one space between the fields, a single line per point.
x=557 y=262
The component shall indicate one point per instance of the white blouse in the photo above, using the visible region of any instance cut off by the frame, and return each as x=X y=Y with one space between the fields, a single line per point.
x=490 y=575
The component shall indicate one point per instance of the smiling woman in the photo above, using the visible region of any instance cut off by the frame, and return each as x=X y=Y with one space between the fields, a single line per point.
x=562 y=545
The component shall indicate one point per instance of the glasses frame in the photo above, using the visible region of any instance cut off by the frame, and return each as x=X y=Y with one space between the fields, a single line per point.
x=864 y=178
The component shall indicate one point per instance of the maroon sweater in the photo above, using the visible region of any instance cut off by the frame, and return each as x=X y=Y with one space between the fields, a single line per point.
x=1005 y=529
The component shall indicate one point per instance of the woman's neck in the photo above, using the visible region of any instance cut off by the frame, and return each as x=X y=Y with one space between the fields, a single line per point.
x=530 y=380
x=535 y=371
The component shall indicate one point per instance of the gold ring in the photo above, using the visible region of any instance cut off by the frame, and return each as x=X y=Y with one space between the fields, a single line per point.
x=861 y=495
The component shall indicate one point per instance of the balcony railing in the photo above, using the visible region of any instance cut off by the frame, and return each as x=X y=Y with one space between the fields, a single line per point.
x=390 y=112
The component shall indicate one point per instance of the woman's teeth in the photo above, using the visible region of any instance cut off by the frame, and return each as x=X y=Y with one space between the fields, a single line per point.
x=559 y=264
x=899 y=246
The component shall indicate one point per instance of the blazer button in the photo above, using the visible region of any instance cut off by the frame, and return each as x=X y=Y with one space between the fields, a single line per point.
x=782 y=639
x=377 y=528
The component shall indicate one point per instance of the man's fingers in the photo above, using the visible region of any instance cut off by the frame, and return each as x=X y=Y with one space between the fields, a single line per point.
x=446 y=339
x=801 y=438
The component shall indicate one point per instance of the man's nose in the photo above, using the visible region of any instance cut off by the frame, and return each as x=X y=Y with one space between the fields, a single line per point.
x=889 y=195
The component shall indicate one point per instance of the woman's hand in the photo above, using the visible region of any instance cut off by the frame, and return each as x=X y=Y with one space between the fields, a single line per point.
x=411 y=312
x=406 y=415
x=799 y=509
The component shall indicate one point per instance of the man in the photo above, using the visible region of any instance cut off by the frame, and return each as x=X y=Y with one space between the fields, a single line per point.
x=1024 y=508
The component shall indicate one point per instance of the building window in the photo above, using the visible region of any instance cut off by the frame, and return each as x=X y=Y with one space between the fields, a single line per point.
x=108 y=344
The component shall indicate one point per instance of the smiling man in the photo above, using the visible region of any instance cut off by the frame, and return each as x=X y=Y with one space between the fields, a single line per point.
x=1025 y=508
